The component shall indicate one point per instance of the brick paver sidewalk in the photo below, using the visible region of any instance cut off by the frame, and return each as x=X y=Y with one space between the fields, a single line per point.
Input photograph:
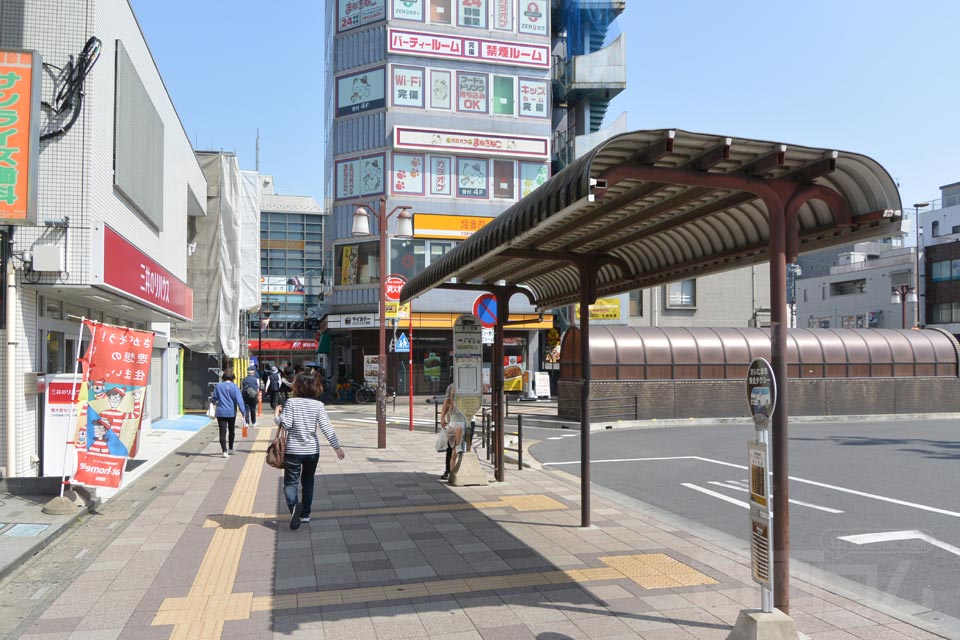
x=394 y=553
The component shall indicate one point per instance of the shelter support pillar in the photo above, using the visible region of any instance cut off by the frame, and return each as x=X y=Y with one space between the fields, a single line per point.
x=587 y=298
x=496 y=373
x=778 y=360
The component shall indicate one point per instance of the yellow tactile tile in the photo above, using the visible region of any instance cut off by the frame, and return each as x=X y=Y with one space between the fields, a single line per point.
x=657 y=571
x=445 y=587
x=368 y=594
x=319 y=598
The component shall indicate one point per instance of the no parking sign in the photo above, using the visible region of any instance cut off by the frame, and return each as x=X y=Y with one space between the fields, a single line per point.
x=485 y=309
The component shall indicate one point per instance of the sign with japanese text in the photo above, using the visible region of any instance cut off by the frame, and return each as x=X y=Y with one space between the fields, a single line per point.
x=467 y=364
x=435 y=45
x=393 y=286
x=362 y=91
x=489 y=144
x=440 y=93
x=532 y=175
x=761 y=390
x=356 y=13
x=472 y=13
x=116 y=368
x=407 y=83
x=533 y=98
x=357 y=177
x=407 y=174
x=371 y=370
x=408 y=10
x=472 y=178
x=532 y=17
x=19 y=135
x=503 y=15
x=472 y=92
x=443 y=227
x=602 y=309
x=59 y=414
x=399 y=311
x=283 y=345
x=441 y=168
x=123 y=268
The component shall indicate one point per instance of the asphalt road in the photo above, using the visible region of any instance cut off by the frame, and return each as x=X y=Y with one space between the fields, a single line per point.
x=848 y=478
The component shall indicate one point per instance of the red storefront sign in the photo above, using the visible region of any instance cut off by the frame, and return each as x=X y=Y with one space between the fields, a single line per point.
x=126 y=269
x=283 y=345
x=63 y=392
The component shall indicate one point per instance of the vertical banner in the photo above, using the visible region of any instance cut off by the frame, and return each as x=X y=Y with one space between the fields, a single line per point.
x=503 y=15
x=467 y=366
x=513 y=370
x=115 y=371
x=440 y=175
x=19 y=135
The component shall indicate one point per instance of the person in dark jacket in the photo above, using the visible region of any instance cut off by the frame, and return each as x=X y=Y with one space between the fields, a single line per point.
x=250 y=386
x=272 y=387
x=228 y=399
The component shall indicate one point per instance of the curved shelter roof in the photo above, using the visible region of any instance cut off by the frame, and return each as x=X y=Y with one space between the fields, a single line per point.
x=654 y=353
x=650 y=207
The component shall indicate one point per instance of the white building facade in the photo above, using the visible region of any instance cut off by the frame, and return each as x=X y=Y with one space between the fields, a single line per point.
x=117 y=183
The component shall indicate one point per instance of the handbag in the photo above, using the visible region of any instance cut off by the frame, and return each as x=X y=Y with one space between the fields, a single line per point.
x=442 y=441
x=212 y=410
x=277 y=450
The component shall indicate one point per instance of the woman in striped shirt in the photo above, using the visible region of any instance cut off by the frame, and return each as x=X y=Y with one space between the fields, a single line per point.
x=302 y=415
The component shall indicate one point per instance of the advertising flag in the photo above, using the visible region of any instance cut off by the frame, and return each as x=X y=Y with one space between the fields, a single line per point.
x=115 y=371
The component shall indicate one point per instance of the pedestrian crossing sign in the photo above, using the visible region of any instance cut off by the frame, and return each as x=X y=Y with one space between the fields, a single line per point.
x=403 y=344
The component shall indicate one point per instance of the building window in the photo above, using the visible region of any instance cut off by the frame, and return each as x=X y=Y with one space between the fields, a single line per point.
x=946 y=312
x=357 y=264
x=682 y=294
x=935 y=228
x=848 y=287
x=409 y=257
x=636 y=303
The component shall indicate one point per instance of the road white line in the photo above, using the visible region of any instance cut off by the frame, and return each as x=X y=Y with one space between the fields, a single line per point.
x=862 y=494
x=888 y=536
x=739 y=503
x=556 y=438
x=389 y=421
x=799 y=503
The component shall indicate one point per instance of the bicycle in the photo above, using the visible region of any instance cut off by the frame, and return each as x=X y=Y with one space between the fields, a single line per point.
x=363 y=393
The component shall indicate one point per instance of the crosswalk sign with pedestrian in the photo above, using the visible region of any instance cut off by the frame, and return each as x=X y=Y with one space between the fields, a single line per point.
x=403 y=344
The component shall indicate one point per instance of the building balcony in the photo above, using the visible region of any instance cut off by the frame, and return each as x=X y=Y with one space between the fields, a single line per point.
x=601 y=74
x=567 y=148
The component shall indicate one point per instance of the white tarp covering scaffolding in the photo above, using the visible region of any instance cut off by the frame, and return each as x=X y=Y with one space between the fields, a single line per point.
x=249 y=240
x=214 y=271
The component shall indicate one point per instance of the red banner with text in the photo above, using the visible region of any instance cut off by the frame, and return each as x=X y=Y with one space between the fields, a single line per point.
x=115 y=371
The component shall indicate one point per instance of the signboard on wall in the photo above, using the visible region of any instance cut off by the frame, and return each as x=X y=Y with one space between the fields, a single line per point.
x=408 y=10
x=440 y=92
x=532 y=175
x=488 y=144
x=441 y=169
x=119 y=266
x=472 y=92
x=357 y=177
x=435 y=45
x=503 y=15
x=361 y=91
x=533 y=17
x=356 y=13
x=472 y=13
x=19 y=135
x=406 y=176
x=533 y=98
x=472 y=178
x=602 y=309
x=434 y=225
x=406 y=86
x=62 y=394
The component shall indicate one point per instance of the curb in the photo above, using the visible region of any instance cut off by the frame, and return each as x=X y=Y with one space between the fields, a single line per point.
x=47 y=540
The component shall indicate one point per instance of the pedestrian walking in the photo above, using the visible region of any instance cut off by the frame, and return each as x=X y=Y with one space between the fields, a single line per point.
x=454 y=432
x=272 y=388
x=228 y=399
x=302 y=415
x=286 y=384
x=251 y=396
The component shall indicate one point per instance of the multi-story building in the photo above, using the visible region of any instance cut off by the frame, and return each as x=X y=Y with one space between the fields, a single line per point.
x=940 y=271
x=858 y=292
x=449 y=107
x=293 y=281
x=117 y=182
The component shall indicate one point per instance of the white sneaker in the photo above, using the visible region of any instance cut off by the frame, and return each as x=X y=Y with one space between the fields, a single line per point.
x=307 y=519
x=226 y=455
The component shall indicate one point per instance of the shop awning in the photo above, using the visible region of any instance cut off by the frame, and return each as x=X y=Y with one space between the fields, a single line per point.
x=324 y=345
x=652 y=207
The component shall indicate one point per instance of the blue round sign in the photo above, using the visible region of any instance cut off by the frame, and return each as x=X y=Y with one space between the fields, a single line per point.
x=485 y=308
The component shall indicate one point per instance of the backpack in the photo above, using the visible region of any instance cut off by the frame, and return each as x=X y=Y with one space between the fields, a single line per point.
x=274 y=382
x=251 y=392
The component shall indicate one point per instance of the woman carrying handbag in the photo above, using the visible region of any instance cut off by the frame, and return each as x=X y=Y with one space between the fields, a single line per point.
x=302 y=416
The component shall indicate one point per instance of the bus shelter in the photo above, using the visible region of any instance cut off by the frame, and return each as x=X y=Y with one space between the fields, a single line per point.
x=651 y=207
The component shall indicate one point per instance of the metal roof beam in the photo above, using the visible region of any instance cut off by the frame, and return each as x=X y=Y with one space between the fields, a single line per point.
x=816 y=169
x=764 y=164
x=713 y=157
x=659 y=149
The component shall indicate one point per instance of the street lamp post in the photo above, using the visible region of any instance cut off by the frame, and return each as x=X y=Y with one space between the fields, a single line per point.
x=361 y=227
x=916 y=285
x=902 y=295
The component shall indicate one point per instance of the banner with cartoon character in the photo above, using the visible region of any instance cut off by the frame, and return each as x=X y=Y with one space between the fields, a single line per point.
x=110 y=405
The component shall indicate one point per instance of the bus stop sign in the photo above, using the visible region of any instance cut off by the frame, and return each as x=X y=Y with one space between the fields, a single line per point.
x=761 y=389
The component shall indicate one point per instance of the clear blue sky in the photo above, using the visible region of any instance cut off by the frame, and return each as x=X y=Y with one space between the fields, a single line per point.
x=878 y=78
